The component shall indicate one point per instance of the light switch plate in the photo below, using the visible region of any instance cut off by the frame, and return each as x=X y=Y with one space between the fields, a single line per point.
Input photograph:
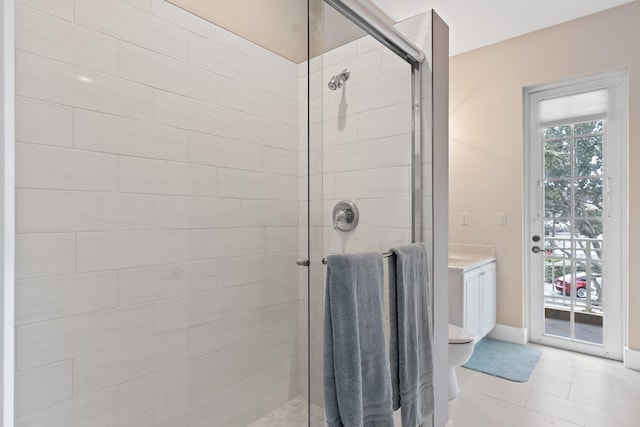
x=502 y=218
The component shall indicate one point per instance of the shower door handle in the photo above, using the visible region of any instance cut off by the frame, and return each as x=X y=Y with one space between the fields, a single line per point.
x=303 y=262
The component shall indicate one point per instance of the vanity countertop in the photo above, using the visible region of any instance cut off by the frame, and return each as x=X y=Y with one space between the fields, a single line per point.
x=466 y=261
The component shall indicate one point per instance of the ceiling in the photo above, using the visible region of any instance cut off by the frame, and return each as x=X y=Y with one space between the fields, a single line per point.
x=280 y=25
x=473 y=23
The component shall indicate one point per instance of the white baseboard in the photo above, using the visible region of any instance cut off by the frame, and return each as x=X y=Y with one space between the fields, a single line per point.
x=510 y=334
x=631 y=359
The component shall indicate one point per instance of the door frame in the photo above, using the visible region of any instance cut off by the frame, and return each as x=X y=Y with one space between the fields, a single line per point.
x=617 y=82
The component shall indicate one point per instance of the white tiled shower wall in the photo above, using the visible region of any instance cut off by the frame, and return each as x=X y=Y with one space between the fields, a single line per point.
x=157 y=219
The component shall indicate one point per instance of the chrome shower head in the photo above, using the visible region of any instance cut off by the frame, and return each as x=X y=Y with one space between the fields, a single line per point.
x=335 y=83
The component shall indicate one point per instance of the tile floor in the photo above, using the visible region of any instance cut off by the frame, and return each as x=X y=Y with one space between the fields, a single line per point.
x=566 y=389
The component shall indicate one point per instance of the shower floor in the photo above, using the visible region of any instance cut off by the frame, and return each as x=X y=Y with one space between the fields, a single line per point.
x=294 y=413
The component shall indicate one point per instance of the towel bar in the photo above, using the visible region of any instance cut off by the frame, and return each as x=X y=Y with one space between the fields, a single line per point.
x=384 y=255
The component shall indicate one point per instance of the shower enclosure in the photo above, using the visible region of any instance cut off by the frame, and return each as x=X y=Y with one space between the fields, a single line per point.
x=177 y=167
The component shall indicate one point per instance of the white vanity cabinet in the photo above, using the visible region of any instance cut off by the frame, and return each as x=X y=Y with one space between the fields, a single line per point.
x=472 y=294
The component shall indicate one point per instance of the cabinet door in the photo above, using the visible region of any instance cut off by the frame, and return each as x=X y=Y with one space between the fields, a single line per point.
x=489 y=298
x=456 y=298
x=473 y=306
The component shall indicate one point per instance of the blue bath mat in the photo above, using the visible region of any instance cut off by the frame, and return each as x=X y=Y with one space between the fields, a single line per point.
x=502 y=359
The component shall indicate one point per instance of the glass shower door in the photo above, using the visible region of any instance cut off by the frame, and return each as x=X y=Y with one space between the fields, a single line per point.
x=361 y=129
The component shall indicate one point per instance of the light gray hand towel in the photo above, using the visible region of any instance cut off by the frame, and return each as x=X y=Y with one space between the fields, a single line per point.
x=411 y=338
x=357 y=383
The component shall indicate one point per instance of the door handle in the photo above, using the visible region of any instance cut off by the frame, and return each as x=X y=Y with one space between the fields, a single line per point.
x=536 y=249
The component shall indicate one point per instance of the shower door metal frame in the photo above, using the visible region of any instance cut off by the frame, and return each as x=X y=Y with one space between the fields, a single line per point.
x=416 y=154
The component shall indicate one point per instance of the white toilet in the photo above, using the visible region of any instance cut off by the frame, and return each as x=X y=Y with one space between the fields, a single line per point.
x=460 y=351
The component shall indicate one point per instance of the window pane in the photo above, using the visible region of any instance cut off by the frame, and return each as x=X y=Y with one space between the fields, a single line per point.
x=588 y=228
x=557 y=158
x=588 y=156
x=557 y=310
x=589 y=297
x=597 y=286
x=588 y=248
x=557 y=248
x=557 y=227
x=557 y=198
x=588 y=128
x=588 y=197
x=557 y=132
x=556 y=269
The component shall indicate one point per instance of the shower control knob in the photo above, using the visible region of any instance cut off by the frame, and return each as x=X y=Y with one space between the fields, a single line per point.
x=345 y=216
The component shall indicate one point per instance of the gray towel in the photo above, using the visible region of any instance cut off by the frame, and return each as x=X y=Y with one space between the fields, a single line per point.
x=357 y=383
x=411 y=340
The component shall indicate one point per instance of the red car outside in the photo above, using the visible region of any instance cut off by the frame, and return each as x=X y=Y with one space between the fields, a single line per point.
x=563 y=285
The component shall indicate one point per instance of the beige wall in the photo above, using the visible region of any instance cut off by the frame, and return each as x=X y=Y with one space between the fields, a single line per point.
x=486 y=136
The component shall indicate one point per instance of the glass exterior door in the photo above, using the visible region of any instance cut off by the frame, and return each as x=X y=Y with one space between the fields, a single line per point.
x=575 y=215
